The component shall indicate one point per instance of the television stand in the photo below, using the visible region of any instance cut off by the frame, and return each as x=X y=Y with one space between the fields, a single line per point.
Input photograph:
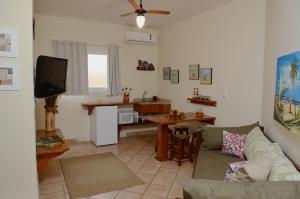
x=44 y=154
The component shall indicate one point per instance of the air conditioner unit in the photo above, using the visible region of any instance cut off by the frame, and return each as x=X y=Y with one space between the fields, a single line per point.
x=140 y=38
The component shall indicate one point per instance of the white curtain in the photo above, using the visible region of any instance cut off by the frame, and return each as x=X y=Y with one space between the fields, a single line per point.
x=77 y=72
x=114 y=76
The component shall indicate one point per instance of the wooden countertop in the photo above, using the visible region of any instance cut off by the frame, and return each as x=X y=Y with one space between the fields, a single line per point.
x=90 y=105
x=165 y=120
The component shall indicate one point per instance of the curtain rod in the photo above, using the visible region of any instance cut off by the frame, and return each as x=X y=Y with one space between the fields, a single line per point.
x=81 y=42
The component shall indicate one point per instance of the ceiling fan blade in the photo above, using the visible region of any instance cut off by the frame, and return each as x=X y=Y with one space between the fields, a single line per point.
x=162 y=12
x=127 y=14
x=134 y=4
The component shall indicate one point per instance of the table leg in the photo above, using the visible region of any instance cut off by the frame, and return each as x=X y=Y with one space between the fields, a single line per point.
x=162 y=143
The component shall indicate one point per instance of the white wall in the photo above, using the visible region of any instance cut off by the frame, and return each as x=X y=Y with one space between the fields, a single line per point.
x=282 y=37
x=72 y=119
x=17 y=144
x=230 y=39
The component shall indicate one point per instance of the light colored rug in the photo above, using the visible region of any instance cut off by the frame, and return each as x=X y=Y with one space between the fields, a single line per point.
x=95 y=174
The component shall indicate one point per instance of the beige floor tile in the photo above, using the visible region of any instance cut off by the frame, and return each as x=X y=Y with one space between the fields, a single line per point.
x=158 y=190
x=57 y=195
x=149 y=169
x=135 y=167
x=176 y=192
x=163 y=180
x=147 y=178
x=170 y=165
x=137 y=189
x=128 y=195
x=151 y=197
x=50 y=176
x=167 y=172
x=51 y=188
x=108 y=195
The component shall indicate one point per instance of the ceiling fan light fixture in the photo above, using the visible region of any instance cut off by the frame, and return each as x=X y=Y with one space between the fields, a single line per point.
x=140 y=21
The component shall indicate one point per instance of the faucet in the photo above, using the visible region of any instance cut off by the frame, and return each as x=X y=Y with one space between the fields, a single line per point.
x=143 y=98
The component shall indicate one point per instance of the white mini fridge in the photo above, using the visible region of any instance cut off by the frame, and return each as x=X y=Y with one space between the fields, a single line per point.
x=104 y=125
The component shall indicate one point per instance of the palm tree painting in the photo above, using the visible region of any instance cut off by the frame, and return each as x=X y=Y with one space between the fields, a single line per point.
x=287 y=95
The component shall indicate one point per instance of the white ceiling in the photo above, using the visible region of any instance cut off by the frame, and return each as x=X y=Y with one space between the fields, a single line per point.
x=110 y=10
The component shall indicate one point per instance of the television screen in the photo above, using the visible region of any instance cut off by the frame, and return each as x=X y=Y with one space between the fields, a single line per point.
x=50 y=78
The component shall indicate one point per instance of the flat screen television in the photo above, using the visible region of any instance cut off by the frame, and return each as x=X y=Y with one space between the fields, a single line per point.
x=50 y=78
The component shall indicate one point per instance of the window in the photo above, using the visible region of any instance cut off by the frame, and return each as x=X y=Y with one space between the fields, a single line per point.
x=97 y=68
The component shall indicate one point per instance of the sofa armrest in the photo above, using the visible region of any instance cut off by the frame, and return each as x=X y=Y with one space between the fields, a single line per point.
x=214 y=189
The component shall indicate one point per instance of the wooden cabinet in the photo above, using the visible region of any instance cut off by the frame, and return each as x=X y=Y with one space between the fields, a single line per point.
x=152 y=108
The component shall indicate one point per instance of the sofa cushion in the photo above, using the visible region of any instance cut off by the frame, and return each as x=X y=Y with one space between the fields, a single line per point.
x=212 y=189
x=213 y=136
x=258 y=145
x=282 y=167
x=212 y=164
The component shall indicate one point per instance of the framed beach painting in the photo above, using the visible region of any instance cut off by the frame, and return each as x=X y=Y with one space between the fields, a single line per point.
x=166 y=73
x=175 y=76
x=206 y=76
x=287 y=93
x=8 y=42
x=9 y=76
x=194 y=72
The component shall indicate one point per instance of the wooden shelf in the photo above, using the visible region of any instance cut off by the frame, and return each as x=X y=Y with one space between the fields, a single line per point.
x=203 y=102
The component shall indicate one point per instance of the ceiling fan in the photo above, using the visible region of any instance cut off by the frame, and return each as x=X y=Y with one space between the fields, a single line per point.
x=140 y=12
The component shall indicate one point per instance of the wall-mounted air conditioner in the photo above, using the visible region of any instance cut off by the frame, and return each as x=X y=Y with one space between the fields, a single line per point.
x=140 y=38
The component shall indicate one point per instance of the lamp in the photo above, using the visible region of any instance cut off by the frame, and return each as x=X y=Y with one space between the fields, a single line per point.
x=140 y=21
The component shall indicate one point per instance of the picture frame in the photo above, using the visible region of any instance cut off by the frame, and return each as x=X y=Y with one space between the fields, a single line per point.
x=166 y=73
x=194 y=72
x=175 y=76
x=9 y=76
x=8 y=42
x=206 y=76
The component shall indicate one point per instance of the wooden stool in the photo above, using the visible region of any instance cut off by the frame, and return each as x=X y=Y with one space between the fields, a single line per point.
x=181 y=130
x=181 y=149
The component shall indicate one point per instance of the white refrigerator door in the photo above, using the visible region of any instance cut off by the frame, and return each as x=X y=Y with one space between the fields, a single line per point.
x=106 y=123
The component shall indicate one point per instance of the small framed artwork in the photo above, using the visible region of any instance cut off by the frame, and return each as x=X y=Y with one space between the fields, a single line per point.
x=175 y=76
x=206 y=76
x=8 y=42
x=9 y=76
x=166 y=73
x=194 y=71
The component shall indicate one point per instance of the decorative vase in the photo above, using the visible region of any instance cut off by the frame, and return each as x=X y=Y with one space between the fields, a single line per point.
x=125 y=98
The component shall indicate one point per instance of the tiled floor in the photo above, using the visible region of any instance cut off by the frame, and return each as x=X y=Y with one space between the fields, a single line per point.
x=161 y=178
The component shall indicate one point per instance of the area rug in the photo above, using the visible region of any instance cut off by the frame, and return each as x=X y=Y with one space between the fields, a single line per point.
x=95 y=174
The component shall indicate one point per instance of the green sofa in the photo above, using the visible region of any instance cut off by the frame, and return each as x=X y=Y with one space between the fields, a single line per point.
x=211 y=165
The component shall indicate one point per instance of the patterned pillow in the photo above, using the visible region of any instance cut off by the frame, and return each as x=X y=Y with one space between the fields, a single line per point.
x=233 y=144
x=234 y=167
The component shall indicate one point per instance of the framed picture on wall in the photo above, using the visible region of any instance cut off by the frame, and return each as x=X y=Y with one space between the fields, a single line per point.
x=194 y=71
x=8 y=42
x=9 y=76
x=175 y=76
x=206 y=76
x=166 y=73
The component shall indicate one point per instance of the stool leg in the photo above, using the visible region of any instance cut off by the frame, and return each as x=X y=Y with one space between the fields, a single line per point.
x=191 y=151
x=172 y=148
x=180 y=152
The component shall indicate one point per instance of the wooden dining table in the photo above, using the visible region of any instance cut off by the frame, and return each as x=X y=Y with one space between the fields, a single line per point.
x=163 y=121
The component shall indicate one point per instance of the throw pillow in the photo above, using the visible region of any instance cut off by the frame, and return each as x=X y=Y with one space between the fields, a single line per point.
x=256 y=144
x=213 y=136
x=258 y=170
x=233 y=167
x=282 y=168
x=233 y=144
